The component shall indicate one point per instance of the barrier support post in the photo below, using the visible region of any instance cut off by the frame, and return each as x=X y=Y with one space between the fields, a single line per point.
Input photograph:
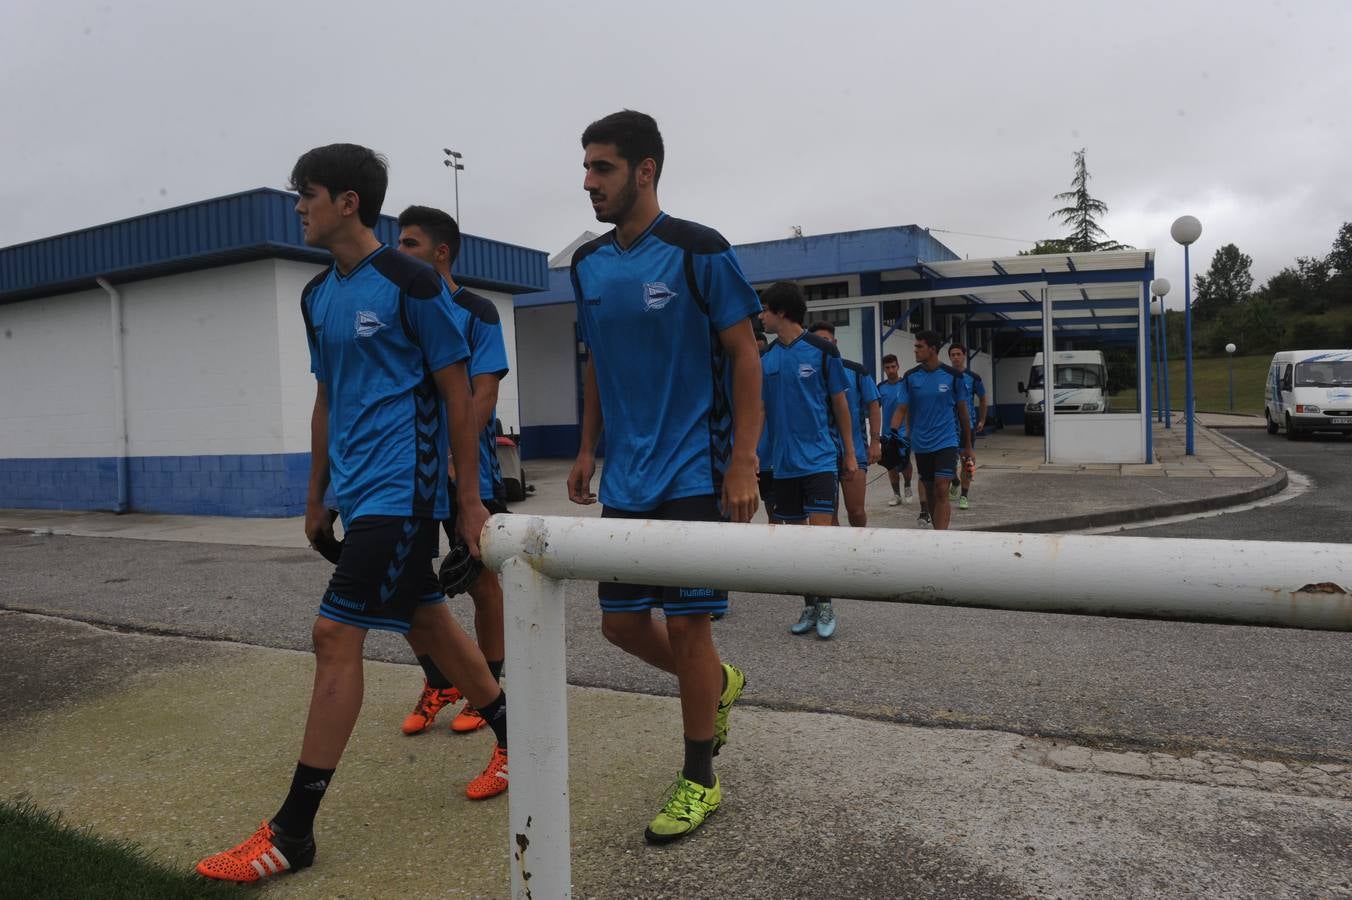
x=537 y=728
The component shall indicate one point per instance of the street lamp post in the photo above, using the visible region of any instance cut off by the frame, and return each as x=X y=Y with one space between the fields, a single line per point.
x=1230 y=353
x=1186 y=230
x=1160 y=288
x=456 y=166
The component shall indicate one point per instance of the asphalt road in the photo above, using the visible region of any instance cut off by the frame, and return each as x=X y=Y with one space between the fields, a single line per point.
x=1103 y=682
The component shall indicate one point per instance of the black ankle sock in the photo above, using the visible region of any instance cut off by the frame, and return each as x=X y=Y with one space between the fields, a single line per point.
x=495 y=714
x=297 y=815
x=699 y=762
x=923 y=508
x=495 y=667
x=964 y=492
x=724 y=673
x=908 y=483
x=434 y=677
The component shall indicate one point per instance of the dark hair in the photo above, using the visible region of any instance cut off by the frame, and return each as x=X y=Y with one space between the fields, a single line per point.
x=824 y=326
x=438 y=225
x=784 y=298
x=891 y=357
x=933 y=338
x=634 y=135
x=339 y=168
x=956 y=346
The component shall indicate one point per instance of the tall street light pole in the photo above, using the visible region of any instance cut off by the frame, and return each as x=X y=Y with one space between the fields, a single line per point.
x=1186 y=230
x=1230 y=353
x=456 y=166
x=1160 y=288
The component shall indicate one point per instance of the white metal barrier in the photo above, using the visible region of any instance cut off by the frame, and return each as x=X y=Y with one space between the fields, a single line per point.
x=1242 y=582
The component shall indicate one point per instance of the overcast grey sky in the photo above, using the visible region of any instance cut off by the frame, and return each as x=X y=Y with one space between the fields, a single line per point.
x=833 y=116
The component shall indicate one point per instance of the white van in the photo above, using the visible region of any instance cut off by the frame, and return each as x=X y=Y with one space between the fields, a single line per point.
x=1309 y=390
x=1080 y=385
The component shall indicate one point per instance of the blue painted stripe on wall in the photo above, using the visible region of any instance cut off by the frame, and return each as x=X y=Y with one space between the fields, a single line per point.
x=271 y=484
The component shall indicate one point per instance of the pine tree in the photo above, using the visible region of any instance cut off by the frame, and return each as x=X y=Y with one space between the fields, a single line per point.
x=1083 y=213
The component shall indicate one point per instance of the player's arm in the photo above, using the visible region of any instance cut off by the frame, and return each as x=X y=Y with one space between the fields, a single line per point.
x=981 y=412
x=579 y=480
x=316 y=518
x=485 y=391
x=841 y=407
x=898 y=419
x=741 y=496
x=453 y=384
x=965 y=423
x=875 y=446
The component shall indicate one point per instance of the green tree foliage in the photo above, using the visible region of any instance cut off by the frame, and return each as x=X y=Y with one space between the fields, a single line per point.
x=1225 y=285
x=1339 y=262
x=1082 y=212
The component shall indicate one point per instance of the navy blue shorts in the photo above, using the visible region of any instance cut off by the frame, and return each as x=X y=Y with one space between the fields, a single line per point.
x=795 y=498
x=942 y=463
x=384 y=572
x=618 y=596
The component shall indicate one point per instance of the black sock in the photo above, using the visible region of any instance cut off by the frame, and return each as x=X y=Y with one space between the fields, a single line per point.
x=964 y=492
x=908 y=483
x=495 y=714
x=434 y=677
x=924 y=510
x=297 y=816
x=699 y=762
x=896 y=490
x=495 y=668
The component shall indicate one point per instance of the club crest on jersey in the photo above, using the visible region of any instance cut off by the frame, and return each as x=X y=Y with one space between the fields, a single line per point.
x=943 y=389
x=657 y=295
x=368 y=323
x=806 y=370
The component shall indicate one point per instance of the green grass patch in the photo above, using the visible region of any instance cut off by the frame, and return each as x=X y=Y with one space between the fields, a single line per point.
x=43 y=856
x=1211 y=383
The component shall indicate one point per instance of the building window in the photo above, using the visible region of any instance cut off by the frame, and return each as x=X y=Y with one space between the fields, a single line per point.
x=840 y=318
x=832 y=290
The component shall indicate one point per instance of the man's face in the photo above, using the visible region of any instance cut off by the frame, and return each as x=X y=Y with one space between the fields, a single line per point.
x=924 y=352
x=825 y=335
x=415 y=242
x=957 y=358
x=891 y=370
x=321 y=216
x=771 y=320
x=610 y=182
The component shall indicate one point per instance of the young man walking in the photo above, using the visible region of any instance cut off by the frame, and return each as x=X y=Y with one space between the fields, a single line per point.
x=813 y=437
x=433 y=237
x=673 y=378
x=866 y=428
x=976 y=402
x=896 y=456
x=390 y=366
x=933 y=402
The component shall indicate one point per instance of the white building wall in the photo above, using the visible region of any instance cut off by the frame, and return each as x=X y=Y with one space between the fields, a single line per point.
x=509 y=410
x=547 y=348
x=295 y=379
x=202 y=370
x=56 y=363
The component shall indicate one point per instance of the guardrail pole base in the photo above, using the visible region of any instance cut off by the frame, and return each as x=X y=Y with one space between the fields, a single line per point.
x=537 y=728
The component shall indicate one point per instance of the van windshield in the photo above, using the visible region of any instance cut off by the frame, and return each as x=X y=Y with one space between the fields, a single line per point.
x=1072 y=376
x=1324 y=373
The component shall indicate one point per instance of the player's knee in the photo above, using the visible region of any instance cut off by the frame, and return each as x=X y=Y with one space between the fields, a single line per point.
x=334 y=640
x=618 y=630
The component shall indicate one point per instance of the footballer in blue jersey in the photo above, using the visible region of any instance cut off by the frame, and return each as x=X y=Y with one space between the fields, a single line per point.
x=865 y=412
x=433 y=237
x=673 y=378
x=934 y=407
x=976 y=389
x=813 y=439
x=389 y=361
x=896 y=455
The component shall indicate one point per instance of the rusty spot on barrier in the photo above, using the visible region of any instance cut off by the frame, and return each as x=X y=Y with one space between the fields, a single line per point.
x=522 y=842
x=1322 y=587
x=1018 y=554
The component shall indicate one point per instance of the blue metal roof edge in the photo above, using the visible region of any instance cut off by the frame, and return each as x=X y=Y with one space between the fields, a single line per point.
x=814 y=256
x=256 y=224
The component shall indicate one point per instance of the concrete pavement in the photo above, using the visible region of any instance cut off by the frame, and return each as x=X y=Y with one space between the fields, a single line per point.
x=184 y=744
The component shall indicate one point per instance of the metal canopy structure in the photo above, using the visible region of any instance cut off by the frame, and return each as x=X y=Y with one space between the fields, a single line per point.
x=1093 y=299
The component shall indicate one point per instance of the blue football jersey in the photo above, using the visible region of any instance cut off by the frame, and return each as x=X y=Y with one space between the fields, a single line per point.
x=862 y=395
x=890 y=395
x=975 y=388
x=765 y=447
x=376 y=336
x=800 y=379
x=478 y=318
x=650 y=315
x=931 y=400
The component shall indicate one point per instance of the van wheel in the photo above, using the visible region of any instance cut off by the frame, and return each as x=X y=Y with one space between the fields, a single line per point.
x=1271 y=425
x=1290 y=432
